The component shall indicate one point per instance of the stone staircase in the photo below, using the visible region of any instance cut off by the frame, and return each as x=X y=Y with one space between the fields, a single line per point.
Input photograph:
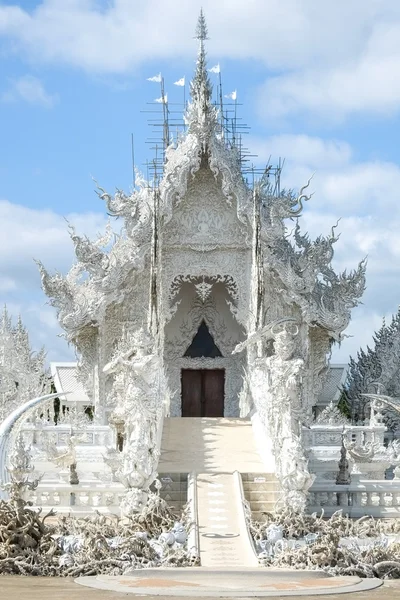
x=206 y=445
x=215 y=451
x=174 y=490
x=261 y=492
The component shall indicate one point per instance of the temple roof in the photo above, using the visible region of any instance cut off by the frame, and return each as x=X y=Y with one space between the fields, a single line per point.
x=65 y=380
x=332 y=387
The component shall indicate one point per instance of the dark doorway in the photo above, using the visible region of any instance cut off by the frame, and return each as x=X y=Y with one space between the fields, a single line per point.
x=203 y=344
x=203 y=392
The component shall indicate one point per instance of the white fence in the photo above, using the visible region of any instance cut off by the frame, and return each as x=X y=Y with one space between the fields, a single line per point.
x=78 y=499
x=375 y=498
x=90 y=435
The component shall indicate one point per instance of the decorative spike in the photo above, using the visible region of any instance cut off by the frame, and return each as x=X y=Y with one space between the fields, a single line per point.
x=200 y=86
x=201 y=28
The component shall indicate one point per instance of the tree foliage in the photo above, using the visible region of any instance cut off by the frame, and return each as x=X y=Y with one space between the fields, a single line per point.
x=23 y=373
x=375 y=370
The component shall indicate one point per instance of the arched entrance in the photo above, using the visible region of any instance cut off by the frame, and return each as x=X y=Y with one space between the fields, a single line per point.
x=203 y=390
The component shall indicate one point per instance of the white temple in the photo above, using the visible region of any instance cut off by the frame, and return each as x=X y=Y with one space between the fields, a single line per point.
x=205 y=306
x=204 y=331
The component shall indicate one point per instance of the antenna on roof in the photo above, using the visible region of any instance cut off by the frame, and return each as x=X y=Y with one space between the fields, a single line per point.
x=133 y=162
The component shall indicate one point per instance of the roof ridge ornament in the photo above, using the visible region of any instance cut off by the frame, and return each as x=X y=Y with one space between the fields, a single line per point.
x=201 y=115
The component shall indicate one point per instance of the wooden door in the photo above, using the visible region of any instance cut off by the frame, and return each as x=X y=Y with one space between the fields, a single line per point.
x=203 y=392
x=191 y=392
x=213 y=392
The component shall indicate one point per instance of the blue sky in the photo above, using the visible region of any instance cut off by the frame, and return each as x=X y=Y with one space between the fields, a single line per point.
x=319 y=84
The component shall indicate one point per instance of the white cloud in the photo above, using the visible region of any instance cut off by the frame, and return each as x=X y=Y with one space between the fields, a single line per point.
x=340 y=184
x=25 y=234
x=366 y=81
x=28 y=89
x=327 y=58
x=304 y=150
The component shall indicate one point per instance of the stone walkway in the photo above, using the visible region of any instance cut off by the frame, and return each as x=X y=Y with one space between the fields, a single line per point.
x=223 y=537
x=205 y=445
x=38 y=588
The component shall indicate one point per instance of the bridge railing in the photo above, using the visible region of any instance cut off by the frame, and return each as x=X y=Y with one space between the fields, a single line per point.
x=377 y=498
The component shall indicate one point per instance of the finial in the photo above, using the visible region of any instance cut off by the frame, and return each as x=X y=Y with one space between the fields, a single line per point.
x=201 y=29
x=200 y=87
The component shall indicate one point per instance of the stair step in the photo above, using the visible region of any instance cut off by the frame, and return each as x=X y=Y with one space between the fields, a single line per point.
x=173 y=496
x=259 y=477
x=207 y=445
x=257 y=506
x=261 y=495
x=249 y=486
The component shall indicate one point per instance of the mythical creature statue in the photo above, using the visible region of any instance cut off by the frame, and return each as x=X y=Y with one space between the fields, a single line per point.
x=295 y=477
x=137 y=395
x=277 y=392
x=285 y=372
x=285 y=417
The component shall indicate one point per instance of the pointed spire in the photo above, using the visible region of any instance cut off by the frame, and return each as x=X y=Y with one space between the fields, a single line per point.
x=200 y=86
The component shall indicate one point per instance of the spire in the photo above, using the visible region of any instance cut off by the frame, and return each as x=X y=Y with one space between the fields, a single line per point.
x=200 y=86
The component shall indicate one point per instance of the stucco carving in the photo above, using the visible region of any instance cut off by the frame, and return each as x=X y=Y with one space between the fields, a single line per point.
x=138 y=397
x=277 y=394
x=331 y=415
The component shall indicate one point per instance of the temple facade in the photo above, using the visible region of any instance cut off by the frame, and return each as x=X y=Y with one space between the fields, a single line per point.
x=204 y=305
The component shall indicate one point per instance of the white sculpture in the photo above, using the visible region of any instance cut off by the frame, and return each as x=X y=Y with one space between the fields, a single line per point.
x=137 y=396
x=7 y=428
x=65 y=459
x=285 y=415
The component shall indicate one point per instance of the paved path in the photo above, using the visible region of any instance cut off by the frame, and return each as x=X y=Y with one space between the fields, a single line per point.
x=39 y=588
x=223 y=537
x=208 y=445
x=230 y=583
x=213 y=449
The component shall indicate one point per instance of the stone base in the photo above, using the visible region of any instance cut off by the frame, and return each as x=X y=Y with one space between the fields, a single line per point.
x=201 y=582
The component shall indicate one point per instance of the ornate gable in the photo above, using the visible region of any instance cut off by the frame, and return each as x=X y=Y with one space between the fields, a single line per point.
x=205 y=217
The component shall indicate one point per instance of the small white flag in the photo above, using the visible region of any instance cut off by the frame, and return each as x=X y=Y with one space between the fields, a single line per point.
x=162 y=99
x=232 y=95
x=156 y=78
x=180 y=82
x=215 y=69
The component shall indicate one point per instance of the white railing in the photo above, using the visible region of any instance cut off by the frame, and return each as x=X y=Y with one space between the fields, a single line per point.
x=331 y=435
x=90 y=435
x=82 y=499
x=193 y=536
x=375 y=498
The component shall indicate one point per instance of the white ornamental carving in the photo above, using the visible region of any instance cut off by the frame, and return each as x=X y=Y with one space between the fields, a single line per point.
x=138 y=397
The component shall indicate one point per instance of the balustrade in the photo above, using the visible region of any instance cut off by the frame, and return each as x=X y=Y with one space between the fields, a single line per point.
x=65 y=498
x=91 y=435
x=376 y=498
